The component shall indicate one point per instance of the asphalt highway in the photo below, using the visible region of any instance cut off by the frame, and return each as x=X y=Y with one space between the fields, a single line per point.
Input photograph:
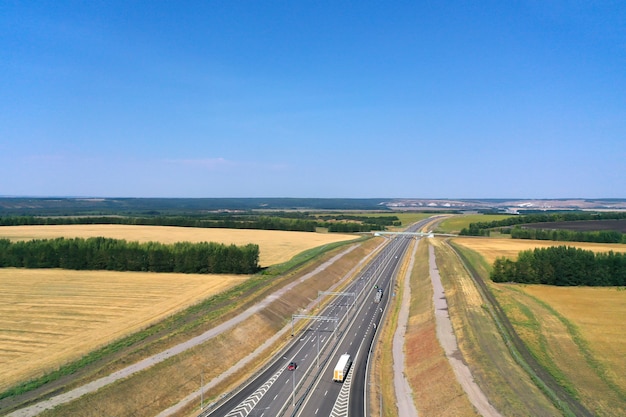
x=347 y=325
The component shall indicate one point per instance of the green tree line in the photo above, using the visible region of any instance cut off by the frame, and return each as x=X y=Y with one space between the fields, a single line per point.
x=301 y=222
x=543 y=218
x=101 y=253
x=563 y=266
x=482 y=228
x=372 y=220
x=256 y=222
x=351 y=227
x=600 y=236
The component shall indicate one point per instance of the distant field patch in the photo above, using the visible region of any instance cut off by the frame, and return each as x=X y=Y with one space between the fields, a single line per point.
x=50 y=317
x=582 y=225
x=408 y=218
x=457 y=223
x=275 y=246
x=490 y=249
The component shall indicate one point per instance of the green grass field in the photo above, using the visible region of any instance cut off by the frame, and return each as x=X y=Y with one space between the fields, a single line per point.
x=456 y=223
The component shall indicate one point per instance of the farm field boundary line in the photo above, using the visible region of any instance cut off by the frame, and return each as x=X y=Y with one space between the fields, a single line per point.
x=93 y=386
x=557 y=394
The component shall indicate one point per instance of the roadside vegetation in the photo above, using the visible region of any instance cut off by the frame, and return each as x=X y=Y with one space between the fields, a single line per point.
x=435 y=388
x=573 y=332
x=381 y=375
x=494 y=367
x=165 y=384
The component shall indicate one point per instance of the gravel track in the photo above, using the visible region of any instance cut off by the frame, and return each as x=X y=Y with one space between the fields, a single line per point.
x=447 y=339
x=557 y=394
x=404 y=393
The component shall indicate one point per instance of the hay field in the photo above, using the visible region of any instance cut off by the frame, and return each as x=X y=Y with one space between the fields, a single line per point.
x=576 y=332
x=578 y=335
x=50 y=317
x=598 y=313
x=275 y=246
x=490 y=249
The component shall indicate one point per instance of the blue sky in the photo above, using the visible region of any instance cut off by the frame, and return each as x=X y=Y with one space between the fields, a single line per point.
x=459 y=99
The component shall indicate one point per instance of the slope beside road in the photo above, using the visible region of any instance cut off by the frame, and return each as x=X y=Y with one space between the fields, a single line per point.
x=447 y=339
x=93 y=386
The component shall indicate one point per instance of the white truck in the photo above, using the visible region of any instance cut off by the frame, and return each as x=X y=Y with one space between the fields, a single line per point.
x=341 y=370
x=379 y=295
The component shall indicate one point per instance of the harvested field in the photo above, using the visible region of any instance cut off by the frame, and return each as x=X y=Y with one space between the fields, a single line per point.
x=604 y=331
x=575 y=332
x=276 y=246
x=149 y=392
x=507 y=386
x=50 y=317
x=490 y=249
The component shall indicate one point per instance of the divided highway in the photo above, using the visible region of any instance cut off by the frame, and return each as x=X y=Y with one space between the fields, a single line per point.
x=347 y=325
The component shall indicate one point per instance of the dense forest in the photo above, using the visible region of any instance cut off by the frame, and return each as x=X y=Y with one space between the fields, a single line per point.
x=564 y=266
x=101 y=253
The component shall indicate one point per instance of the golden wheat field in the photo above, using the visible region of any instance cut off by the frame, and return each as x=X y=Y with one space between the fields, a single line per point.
x=598 y=313
x=275 y=246
x=49 y=317
x=490 y=249
x=590 y=354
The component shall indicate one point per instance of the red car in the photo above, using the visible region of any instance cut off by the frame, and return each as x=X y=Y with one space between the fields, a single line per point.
x=292 y=366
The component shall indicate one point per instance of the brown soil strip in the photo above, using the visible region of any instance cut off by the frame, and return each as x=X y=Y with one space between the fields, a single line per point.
x=446 y=337
x=404 y=393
